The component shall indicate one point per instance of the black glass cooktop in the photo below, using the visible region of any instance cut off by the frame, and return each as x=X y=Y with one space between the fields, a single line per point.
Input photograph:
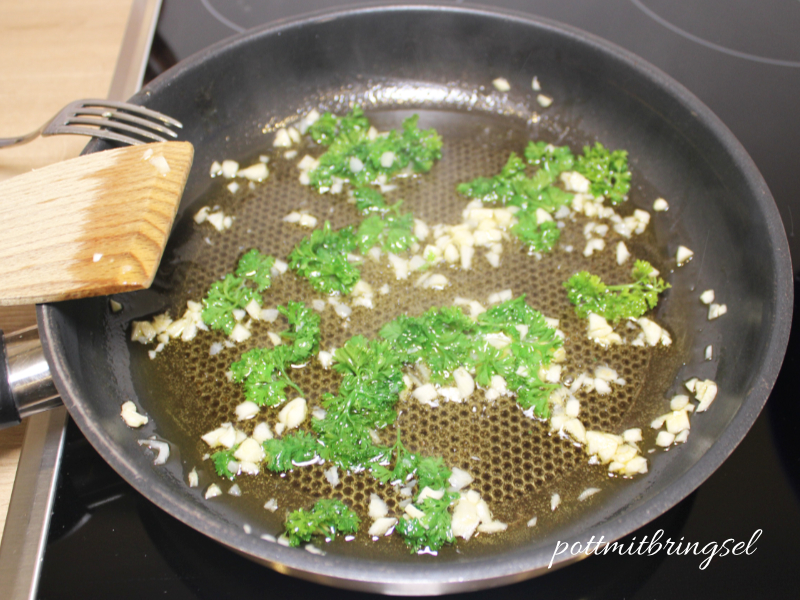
x=743 y=60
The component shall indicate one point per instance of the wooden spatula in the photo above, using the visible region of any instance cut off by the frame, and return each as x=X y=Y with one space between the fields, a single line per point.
x=92 y=225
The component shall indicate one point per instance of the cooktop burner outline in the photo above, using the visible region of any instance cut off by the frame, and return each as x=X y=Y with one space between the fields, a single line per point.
x=220 y=17
x=712 y=45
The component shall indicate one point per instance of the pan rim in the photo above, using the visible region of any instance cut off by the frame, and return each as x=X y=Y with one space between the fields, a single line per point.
x=516 y=564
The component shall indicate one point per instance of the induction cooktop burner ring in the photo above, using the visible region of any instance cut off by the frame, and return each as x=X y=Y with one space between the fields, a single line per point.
x=709 y=44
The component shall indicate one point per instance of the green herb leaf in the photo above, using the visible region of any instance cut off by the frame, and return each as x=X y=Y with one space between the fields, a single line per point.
x=356 y=156
x=369 y=200
x=285 y=453
x=391 y=232
x=326 y=518
x=433 y=530
x=221 y=460
x=322 y=259
x=223 y=298
x=607 y=171
x=256 y=267
x=590 y=294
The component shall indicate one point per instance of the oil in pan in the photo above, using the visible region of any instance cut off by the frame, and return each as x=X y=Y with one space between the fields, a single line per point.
x=516 y=462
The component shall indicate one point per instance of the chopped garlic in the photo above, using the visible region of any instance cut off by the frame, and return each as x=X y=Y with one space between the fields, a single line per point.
x=377 y=507
x=161 y=449
x=282 y=139
x=213 y=491
x=271 y=505
x=325 y=359
x=499 y=297
x=705 y=392
x=193 y=478
x=707 y=297
x=664 y=439
x=332 y=475
x=229 y=168
x=382 y=526
x=660 y=205
x=262 y=432
x=716 y=310
x=633 y=435
x=293 y=413
x=246 y=410
x=652 y=331
x=575 y=182
x=623 y=254
x=249 y=451
x=131 y=415
x=587 y=493
x=544 y=101
x=601 y=332
x=555 y=500
x=256 y=172
x=413 y=512
x=239 y=333
x=683 y=255
x=501 y=84
x=459 y=479
x=709 y=352
x=593 y=245
x=426 y=394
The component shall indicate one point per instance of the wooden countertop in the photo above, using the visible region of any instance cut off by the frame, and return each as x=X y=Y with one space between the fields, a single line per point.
x=51 y=52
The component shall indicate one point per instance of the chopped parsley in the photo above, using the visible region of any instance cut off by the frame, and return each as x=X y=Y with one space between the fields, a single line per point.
x=356 y=154
x=590 y=294
x=322 y=259
x=223 y=298
x=512 y=187
x=233 y=293
x=445 y=339
x=389 y=230
x=433 y=530
x=326 y=518
x=369 y=200
x=264 y=370
x=256 y=267
x=372 y=380
x=289 y=451
x=607 y=171
x=222 y=460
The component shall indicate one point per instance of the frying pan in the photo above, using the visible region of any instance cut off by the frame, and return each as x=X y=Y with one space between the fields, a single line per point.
x=445 y=58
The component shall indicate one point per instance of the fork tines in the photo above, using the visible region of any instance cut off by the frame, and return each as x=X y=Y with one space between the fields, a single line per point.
x=118 y=121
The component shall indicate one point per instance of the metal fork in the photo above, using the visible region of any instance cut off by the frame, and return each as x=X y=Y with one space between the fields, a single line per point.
x=106 y=119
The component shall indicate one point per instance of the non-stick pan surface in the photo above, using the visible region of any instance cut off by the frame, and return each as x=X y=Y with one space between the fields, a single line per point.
x=227 y=94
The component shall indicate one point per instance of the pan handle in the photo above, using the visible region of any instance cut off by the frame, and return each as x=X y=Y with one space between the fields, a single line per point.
x=26 y=386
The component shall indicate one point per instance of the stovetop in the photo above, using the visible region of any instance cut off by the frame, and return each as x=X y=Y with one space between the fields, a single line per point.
x=743 y=60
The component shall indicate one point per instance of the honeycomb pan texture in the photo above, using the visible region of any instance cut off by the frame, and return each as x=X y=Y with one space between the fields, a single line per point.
x=516 y=462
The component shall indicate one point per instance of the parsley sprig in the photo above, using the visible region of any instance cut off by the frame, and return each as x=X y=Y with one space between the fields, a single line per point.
x=590 y=294
x=264 y=371
x=233 y=292
x=350 y=145
x=322 y=259
x=283 y=454
x=445 y=339
x=607 y=171
x=222 y=460
x=432 y=530
x=326 y=518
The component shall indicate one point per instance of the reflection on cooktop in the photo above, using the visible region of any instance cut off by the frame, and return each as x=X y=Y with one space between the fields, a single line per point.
x=763 y=32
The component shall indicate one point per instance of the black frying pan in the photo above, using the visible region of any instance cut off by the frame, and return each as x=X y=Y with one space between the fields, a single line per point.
x=226 y=94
